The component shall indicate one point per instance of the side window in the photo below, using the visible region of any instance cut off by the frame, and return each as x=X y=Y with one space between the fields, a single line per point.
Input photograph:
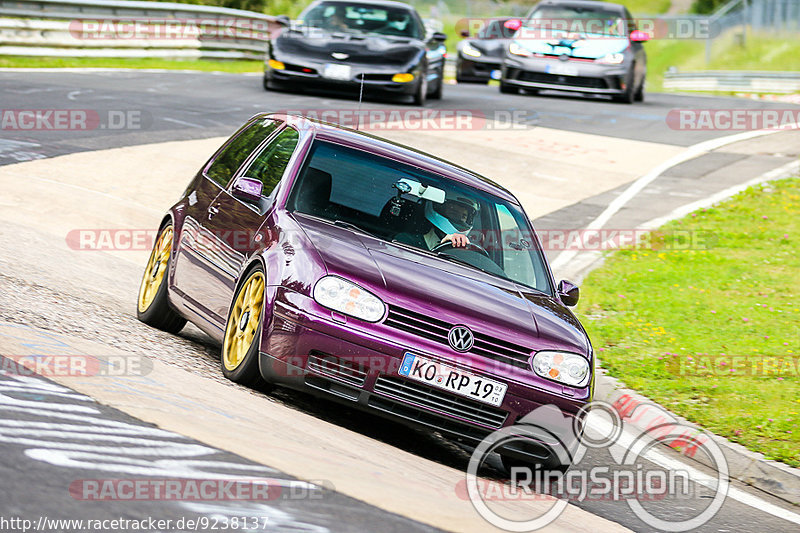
x=269 y=165
x=233 y=155
x=516 y=262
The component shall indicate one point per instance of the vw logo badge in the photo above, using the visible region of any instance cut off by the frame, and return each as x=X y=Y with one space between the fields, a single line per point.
x=461 y=338
x=339 y=55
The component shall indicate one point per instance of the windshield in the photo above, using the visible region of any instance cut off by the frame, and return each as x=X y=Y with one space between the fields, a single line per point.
x=577 y=20
x=496 y=29
x=363 y=18
x=404 y=204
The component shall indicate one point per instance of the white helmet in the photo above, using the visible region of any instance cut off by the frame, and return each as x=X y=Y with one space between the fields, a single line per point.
x=455 y=215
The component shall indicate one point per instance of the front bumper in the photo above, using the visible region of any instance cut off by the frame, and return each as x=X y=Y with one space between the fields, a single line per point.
x=548 y=73
x=377 y=78
x=309 y=351
x=477 y=69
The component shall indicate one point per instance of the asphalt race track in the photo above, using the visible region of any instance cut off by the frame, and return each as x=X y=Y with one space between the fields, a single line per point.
x=178 y=106
x=181 y=420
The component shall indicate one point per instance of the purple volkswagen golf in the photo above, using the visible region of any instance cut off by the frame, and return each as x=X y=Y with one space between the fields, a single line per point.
x=338 y=263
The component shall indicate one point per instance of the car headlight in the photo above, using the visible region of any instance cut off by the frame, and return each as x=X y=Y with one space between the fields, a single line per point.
x=348 y=298
x=469 y=50
x=564 y=367
x=518 y=50
x=612 y=59
x=403 y=77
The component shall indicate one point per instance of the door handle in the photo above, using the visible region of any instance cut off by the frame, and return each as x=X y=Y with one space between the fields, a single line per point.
x=212 y=211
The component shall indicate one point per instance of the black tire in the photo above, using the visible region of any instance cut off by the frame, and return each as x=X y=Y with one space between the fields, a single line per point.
x=265 y=82
x=240 y=344
x=628 y=96
x=152 y=303
x=508 y=89
x=639 y=95
x=422 y=91
x=437 y=94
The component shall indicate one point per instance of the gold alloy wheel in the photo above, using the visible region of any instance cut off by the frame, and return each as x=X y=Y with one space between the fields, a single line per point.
x=155 y=270
x=243 y=321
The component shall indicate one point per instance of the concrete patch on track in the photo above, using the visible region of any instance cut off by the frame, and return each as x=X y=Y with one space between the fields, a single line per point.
x=252 y=426
x=129 y=188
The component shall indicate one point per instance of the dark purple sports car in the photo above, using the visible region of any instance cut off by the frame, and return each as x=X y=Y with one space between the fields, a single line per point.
x=338 y=263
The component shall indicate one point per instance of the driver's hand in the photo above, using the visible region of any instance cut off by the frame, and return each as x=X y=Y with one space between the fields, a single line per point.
x=458 y=240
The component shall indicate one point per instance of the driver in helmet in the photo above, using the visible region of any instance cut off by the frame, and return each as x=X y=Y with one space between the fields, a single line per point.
x=450 y=221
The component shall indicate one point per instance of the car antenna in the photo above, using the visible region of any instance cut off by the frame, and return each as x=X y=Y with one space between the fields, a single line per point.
x=360 y=96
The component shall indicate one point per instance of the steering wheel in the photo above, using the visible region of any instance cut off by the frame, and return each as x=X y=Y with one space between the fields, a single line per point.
x=471 y=246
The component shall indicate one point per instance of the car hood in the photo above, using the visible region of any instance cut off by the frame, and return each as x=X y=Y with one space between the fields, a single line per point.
x=448 y=291
x=370 y=49
x=490 y=47
x=589 y=48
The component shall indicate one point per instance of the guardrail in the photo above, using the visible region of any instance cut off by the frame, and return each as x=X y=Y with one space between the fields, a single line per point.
x=114 y=28
x=733 y=81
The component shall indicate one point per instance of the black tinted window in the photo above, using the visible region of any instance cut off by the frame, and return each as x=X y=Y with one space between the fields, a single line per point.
x=233 y=155
x=268 y=166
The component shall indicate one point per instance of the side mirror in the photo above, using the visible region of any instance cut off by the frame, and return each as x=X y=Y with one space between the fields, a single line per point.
x=513 y=24
x=568 y=292
x=439 y=37
x=638 y=36
x=283 y=20
x=464 y=33
x=247 y=190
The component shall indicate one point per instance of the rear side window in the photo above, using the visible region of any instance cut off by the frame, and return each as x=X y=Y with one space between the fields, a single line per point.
x=234 y=154
x=269 y=165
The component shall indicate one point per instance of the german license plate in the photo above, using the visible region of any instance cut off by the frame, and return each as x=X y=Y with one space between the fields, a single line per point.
x=454 y=380
x=335 y=71
x=563 y=69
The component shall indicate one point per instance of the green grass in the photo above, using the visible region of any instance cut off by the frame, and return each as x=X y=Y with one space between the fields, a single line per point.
x=171 y=64
x=646 y=7
x=760 y=52
x=658 y=317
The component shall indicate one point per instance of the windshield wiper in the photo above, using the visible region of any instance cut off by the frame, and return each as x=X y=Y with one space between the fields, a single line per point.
x=351 y=226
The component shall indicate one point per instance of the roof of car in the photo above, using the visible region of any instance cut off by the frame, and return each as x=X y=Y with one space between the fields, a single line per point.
x=380 y=3
x=608 y=6
x=372 y=143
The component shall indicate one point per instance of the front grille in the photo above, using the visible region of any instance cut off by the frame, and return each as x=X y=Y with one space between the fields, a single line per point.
x=342 y=369
x=570 y=81
x=436 y=330
x=444 y=402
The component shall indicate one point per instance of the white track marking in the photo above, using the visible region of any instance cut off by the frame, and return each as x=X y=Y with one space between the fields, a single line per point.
x=176 y=121
x=785 y=170
x=604 y=427
x=637 y=186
